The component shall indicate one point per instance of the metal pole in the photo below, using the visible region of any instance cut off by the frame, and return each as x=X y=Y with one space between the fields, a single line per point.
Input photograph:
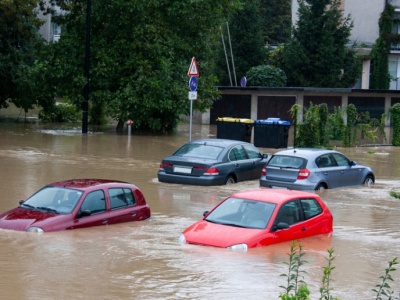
x=85 y=104
x=230 y=45
x=190 y=126
x=226 y=56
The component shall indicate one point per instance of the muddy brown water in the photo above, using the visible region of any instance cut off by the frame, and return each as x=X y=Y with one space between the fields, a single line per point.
x=144 y=260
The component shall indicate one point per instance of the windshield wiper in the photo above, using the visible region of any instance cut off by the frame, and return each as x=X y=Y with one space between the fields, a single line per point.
x=227 y=224
x=28 y=205
x=48 y=209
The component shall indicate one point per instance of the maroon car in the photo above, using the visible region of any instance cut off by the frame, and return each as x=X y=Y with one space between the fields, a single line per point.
x=77 y=203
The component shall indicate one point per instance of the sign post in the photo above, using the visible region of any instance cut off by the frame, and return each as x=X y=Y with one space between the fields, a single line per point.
x=193 y=72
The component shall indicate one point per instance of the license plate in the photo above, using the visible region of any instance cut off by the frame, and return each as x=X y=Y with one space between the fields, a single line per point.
x=185 y=170
x=277 y=187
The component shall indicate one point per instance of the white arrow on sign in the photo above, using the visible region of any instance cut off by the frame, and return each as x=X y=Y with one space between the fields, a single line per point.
x=193 y=69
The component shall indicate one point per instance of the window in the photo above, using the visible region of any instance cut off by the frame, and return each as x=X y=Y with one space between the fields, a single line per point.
x=283 y=161
x=324 y=161
x=95 y=202
x=252 y=151
x=237 y=153
x=201 y=151
x=121 y=197
x=341 y=160
x=289 y=213
x=311 y=208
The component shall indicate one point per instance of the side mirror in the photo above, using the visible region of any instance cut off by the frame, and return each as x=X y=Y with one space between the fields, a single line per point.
x=205 y=213
x=21 y=202
x=352 y=163
x=84 y=213
x=280 y=226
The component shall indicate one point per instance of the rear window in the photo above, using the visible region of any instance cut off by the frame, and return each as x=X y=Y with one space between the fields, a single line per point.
x=200 y=151
x=284 y=161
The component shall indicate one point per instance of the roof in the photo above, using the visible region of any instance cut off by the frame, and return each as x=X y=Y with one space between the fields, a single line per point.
x=304 y=152
x=84 y=183
x=272 y=195
x=218 y=142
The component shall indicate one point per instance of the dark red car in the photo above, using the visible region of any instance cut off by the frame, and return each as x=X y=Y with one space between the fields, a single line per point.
x=77 y=203
x=261 y=217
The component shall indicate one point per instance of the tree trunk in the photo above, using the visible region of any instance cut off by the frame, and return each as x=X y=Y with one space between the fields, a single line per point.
x=120 y=126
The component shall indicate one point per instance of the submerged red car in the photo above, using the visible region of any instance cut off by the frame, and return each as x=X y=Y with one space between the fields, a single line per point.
x=77 y=203
x=261 y=217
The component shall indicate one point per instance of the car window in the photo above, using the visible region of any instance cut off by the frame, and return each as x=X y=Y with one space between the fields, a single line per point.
x=311 y=208
x=199 y=150
x=120 y=197
x=242 y=213
x=341 y=159
x=324 y=161
x=95 y=202
x=252 y=152
x=289 y=213
x=287 y=161
x=237 y=153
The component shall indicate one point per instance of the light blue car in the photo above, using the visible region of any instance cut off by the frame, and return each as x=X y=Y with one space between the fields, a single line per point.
x=313 y=169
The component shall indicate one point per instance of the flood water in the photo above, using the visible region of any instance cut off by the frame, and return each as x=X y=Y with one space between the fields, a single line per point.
x=144 y=260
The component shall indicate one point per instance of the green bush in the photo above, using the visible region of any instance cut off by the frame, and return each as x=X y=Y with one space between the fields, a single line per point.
x=266 y=75
x=60 y=112
x=395 y=113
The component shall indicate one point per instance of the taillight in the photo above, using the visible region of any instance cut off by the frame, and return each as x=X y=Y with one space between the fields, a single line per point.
x=264 y=171
x=303 y=174
x=163 y=165
x=211 y=171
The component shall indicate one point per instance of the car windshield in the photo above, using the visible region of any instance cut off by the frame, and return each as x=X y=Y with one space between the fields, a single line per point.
x=242 y=213
x=53 y=200
x=284 y=161
x=199 y=150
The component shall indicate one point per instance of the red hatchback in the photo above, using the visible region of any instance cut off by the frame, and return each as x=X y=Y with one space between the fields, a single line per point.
x=261 y=217
x=77 y=203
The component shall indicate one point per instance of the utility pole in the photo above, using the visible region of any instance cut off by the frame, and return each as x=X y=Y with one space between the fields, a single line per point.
x=85 y=104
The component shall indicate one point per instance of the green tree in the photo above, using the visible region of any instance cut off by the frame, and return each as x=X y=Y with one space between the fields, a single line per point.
x=140 y=54
x=381 y=50
x=245 y=31
x=277 y=21
x=317 y=54
x=19 y=43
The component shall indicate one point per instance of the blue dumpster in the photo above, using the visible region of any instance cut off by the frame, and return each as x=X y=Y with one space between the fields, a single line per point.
x=271 y=133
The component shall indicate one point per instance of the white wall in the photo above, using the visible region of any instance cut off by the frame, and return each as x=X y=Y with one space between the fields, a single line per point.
x=365 y=15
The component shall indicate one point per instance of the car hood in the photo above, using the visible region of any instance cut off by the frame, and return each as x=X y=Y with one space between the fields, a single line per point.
x=21 y=219
x=217 y=235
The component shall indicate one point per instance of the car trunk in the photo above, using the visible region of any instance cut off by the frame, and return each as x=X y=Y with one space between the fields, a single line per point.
x=282 y=174
x=185 y=167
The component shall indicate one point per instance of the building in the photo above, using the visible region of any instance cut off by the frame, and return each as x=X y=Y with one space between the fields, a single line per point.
x=50 y=30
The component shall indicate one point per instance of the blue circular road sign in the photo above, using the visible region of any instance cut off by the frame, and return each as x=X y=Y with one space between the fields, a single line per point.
x=193 y=83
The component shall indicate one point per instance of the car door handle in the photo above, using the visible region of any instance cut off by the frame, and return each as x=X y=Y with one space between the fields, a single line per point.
x=341 y=172
x=326 y=173
x=237 y=165
x=104 y=221
x=134 y=214
x=303 y=229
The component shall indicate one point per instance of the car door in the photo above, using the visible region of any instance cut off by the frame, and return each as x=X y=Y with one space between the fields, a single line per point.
x=240 y=164
x=349 y=175
x=328 y=170
x=289 y=213
x=257 y=160
x=123 y=206
x=93 y=210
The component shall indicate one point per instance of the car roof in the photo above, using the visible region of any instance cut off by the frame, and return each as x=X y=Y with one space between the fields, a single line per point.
x=218 y=142
x=305 y=152
x=85 y=183
x=276 y=196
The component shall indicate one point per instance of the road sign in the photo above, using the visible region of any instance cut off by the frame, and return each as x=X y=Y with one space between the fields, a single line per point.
x=192 y=95
x=193 y=69
x=193 y=83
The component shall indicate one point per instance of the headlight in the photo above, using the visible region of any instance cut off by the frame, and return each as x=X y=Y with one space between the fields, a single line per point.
x=35 y=229
x=182 y=239
x=238 y=248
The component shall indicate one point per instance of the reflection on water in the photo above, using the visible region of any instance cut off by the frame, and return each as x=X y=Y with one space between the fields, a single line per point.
x=144 y=260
